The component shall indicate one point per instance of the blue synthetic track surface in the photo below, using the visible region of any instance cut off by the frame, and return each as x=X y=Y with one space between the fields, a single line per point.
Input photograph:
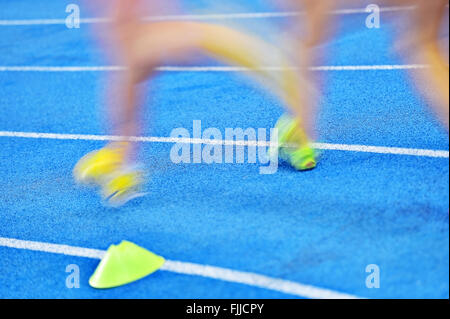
x=320 y=228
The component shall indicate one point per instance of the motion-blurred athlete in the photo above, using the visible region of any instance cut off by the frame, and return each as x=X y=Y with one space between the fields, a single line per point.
x=141 y=47
x=419 y=44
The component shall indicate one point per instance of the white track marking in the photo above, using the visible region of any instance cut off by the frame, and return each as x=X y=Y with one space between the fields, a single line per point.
x=369 y=67
x=208 y=68
x=52 y=248
x=321 y=146
x=256 y=280
x=199 y=17
x=364 y=11
x=60 y=68
x=383 y=150
x=185 y=268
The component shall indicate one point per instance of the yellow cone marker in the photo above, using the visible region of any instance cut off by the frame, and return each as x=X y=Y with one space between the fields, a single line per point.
x=123 y=264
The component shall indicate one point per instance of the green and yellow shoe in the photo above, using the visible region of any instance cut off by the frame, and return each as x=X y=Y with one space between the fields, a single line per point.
x=106 y=168
x=292 y=145
x=96 y=166
x=122 y=186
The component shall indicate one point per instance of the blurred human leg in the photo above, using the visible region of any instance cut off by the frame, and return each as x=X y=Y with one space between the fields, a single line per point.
x=421 y=45
x=141 y=47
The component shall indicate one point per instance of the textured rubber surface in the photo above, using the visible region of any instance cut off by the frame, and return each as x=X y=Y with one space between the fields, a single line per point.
x=321 y=227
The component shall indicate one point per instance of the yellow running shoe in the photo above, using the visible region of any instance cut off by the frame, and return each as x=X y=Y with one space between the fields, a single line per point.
x=94 y=167
x=122 y=186
x=291 y=145
x=107 y=169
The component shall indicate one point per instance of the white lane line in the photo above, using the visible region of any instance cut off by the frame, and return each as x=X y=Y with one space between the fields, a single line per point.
x=369 y=67
x=224 y=274
x=113 y=68
x=321 y=146
x=199 y=17
x=385 y=67
x=60 y=68
x=256 y=280
x=52 y=248
x=384 y=150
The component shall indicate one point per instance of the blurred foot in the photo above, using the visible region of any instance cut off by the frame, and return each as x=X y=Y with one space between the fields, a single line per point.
x=291 y=147
x=106 y=168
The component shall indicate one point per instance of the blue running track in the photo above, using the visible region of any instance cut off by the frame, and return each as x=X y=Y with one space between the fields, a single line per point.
x=320 y=228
